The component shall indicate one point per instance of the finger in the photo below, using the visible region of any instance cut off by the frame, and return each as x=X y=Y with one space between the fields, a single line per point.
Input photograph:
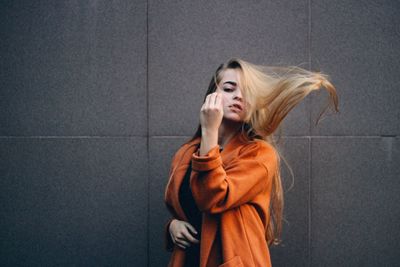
x=183 y=236
x=204 y=103
x=217 y=97
x=207 y=103
x=191 y=228
x=218 y=100
x=189 y=236
x=212 y=100
x=183 y=242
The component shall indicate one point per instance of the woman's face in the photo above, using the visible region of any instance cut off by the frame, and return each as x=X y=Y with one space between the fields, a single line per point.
x=232 y=98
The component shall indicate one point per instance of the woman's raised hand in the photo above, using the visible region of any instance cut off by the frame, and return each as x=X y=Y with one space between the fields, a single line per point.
x=211 y=112
x=182 y=233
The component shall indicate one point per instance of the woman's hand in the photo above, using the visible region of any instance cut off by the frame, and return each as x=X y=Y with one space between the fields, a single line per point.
x=182 y=233
x=211 y=112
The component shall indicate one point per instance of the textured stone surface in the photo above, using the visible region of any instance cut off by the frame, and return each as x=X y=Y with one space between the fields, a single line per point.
x=73 y=202
x=73 y=68
x=79 y=80
x=357 y=44
x=354 y=204
x=185 y=51
x=161 y=152
x=294 y=249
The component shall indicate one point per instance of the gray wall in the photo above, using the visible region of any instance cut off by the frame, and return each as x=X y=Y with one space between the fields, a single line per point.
x=96 y=96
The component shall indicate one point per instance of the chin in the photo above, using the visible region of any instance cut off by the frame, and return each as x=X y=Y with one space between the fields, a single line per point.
x=234 y=118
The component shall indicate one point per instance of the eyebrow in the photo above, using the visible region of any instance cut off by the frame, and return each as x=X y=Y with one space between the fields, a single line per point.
x=231 y=82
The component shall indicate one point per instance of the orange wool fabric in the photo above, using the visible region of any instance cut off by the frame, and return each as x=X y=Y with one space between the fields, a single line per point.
x=232 y=188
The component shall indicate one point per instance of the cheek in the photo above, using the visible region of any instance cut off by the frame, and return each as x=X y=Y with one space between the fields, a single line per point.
x=225 y=100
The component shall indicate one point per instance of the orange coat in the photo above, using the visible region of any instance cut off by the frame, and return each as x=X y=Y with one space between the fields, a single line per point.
x=232 y=188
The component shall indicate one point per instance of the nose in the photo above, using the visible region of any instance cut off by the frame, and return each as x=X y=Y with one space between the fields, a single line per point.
x=238 y=95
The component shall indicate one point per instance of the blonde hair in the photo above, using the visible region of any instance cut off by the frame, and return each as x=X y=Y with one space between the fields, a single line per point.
x=270 y=92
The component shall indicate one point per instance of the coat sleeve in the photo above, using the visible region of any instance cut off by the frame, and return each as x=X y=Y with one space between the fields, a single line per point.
x=217 y=189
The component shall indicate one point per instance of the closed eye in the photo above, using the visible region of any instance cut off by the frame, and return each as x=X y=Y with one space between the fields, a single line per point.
x=228 y=89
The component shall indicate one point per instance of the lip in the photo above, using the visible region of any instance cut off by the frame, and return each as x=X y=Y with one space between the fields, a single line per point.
x=236 y=106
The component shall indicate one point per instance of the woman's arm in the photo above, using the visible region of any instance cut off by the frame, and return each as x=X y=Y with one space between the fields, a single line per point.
x=216 y=189
x=211 y=114
x=209 y=139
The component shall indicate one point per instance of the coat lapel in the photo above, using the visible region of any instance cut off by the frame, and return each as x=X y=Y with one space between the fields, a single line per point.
x=176 y=178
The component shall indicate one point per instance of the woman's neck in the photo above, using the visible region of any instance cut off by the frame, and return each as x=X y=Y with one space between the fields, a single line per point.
x=227 y=130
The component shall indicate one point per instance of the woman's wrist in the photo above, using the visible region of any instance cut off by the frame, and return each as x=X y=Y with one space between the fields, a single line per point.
x=209 y=139
x=208 y=131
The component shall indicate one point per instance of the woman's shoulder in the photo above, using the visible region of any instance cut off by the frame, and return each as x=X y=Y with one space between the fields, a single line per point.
x=262 y=151
x=258 y=145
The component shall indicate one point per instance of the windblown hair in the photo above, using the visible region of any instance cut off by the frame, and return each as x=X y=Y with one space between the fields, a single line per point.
x=270 y=92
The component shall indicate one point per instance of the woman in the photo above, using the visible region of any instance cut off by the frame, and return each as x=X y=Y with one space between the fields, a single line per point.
x=224 y=189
